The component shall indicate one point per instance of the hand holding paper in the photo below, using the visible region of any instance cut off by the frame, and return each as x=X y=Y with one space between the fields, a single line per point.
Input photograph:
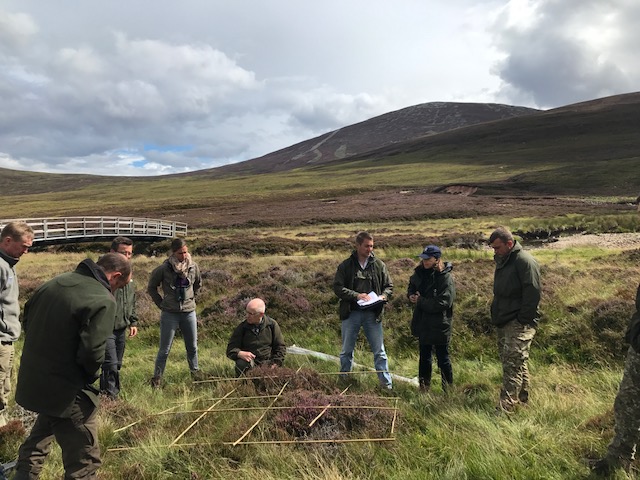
x=374 y=299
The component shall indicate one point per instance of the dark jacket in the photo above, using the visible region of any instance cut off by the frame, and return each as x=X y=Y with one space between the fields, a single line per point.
x=433 y=312
x=66 y=322
x=351 y=279
x=171 y=299
x=633 y=333
x=516 y=288
x=265 y=341
x=126 y=307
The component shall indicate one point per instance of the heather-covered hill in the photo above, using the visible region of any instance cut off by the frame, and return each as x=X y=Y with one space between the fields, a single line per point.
x=389 y=129
x=587 y=149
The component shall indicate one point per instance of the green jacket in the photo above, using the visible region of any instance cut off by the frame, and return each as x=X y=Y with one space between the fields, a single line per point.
x=165 y=277
x=126 y=307
x=351 y=279
x=516 y=288
x=266 y=342
x=633 y=333
x=66 y=322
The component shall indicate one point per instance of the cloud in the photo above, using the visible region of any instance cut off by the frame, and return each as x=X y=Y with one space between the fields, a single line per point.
x=557 y=52
x=16 y=30
x=86 y=87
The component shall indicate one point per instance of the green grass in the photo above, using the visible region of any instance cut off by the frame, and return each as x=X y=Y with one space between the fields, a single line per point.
x=575 y=368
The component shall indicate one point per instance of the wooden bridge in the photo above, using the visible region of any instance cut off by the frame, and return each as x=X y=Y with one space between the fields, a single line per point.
x=57 y=230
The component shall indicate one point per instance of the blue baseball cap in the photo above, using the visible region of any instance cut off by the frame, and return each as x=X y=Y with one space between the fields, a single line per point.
x=430 y=251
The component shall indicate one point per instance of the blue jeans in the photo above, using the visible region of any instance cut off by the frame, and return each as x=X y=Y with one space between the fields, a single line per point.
x=169 y=323
x=373 y=331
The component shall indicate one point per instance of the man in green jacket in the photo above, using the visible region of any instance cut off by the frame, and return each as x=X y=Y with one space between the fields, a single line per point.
x=256 y=341
x=125 y=318
x=355 y=279
x=67 y=322
x=514 y=311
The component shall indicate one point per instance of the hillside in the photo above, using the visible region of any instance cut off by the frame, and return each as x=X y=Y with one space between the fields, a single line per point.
x=388 y=129
x=586 y=149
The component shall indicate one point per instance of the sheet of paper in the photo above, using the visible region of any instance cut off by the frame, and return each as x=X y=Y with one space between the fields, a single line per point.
x=373 y=298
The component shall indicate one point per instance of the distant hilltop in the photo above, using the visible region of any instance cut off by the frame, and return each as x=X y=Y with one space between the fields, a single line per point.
x=384 y=130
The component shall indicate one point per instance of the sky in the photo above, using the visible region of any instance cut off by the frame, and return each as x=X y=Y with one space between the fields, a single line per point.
x=153 y=87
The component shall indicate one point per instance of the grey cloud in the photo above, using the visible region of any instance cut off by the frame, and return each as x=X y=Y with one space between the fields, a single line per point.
x=567 y=51
x=16 y=30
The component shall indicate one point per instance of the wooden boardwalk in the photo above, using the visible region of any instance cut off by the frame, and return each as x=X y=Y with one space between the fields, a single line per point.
x=53 y=230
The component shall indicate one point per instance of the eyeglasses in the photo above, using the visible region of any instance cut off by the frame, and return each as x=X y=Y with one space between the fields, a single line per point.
x=254 y=313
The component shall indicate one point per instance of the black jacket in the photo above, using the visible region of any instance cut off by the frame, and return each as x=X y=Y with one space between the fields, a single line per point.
x=633 y=333
x=433 y=313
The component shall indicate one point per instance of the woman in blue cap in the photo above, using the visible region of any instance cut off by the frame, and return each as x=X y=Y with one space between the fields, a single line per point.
x=432 y=291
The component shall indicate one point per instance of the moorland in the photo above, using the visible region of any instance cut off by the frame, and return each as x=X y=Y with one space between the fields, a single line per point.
x=280 y=234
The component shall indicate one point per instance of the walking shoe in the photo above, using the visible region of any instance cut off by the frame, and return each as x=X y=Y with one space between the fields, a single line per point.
x=607 y=466
x=198 y=376
x=505 y=406
x=523 y=397
x=156 y=382
x=425 y=385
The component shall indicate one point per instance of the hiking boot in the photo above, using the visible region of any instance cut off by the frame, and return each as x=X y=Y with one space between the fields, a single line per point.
x=425 y=385
x=505 y=406
x=156 y=382
x=607 y=466
x=523 y=397
x=198 y=376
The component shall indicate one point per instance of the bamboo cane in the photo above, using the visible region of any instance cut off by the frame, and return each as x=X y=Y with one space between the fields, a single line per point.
x=261 y=416
x=260 y=442
x=325 y=409
x=198 y=419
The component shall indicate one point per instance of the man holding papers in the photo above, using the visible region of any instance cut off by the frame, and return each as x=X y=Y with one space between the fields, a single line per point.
x=363 y=285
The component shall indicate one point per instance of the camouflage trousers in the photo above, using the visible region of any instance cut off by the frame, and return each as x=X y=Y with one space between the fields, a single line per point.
x=627 y=411
x=514 y=341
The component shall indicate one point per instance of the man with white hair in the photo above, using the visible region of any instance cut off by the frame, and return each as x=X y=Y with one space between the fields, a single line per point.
x=256 y=341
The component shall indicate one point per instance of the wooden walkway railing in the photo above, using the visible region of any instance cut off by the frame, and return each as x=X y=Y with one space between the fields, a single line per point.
x=65 y=229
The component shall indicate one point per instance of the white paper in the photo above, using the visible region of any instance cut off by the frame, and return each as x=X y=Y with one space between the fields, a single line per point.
x=373 y=298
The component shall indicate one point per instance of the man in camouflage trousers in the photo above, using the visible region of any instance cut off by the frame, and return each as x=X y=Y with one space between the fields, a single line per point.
x=514 y=311
x=626 y=407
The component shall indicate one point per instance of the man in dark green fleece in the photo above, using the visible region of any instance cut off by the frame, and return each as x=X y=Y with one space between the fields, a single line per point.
x=126 y=319
x=514 y=311
x=256 y=341
x=67 y=322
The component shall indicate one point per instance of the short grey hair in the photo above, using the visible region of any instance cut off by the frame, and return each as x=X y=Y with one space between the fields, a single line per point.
x=501 y=233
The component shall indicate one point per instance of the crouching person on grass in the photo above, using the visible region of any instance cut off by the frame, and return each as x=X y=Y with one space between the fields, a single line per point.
x=257 y=340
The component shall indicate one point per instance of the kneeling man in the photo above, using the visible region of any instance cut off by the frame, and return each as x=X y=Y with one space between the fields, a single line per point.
x=256 y=341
